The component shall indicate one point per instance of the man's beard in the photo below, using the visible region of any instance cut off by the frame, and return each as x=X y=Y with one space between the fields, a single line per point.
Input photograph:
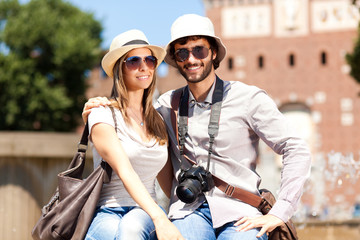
x=203 y=75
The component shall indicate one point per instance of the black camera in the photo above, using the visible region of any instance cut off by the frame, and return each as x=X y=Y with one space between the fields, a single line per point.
x=192 y=182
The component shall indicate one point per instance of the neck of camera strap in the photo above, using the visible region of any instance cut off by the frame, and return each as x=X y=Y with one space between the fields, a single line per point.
x=213 y=126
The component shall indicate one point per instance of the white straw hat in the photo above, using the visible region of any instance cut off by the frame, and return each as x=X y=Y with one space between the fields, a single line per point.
x=193 y=25
x=125 y=42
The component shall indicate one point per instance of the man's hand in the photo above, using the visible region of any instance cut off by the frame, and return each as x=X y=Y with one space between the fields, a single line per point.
x=91 y=103
x=267 y=223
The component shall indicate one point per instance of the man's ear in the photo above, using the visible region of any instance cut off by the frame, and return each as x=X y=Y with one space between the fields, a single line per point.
x=214 y=54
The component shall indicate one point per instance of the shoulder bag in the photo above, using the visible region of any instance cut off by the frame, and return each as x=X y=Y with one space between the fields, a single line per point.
x=70 y=210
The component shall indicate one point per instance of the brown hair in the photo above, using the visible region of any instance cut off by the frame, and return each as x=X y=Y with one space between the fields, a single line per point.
x=182 y=41
x=154 y=123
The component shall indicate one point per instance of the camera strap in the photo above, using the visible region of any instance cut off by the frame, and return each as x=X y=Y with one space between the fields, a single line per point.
x=213 y=126
x=181 y=97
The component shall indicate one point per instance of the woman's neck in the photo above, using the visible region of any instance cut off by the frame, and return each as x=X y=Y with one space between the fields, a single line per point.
x=135 y=100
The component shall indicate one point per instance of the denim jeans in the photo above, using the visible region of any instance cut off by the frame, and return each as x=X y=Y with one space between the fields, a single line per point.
x=198 y=226
x=121 y=223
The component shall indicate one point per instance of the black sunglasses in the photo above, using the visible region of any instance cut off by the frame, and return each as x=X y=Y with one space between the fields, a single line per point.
x=199 y=52
x=134 y=62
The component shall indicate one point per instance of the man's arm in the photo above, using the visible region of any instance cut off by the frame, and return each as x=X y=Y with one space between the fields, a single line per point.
x=271 y=126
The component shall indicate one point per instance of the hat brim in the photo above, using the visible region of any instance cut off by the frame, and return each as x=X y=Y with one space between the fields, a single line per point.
x=220 y=55
x=111 y=57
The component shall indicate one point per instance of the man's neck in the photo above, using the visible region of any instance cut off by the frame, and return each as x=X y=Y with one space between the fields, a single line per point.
x=201 y=89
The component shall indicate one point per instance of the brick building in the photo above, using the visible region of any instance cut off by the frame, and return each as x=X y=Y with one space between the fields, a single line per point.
x=295 y=50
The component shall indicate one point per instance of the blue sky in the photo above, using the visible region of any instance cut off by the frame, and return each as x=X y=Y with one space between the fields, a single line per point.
x=153 y=17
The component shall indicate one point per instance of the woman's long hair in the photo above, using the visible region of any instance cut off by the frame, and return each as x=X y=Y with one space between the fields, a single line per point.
x=154 y=123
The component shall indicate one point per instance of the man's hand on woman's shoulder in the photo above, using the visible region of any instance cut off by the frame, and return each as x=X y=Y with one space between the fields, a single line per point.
x=91 y=103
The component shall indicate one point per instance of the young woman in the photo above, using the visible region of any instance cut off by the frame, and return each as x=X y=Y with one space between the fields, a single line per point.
x=136 y=150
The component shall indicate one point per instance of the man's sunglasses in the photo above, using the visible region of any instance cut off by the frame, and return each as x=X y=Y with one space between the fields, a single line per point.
x=134 y=62
x=198 y=52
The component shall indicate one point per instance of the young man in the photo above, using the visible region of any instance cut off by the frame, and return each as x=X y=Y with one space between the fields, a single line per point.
x=247 y=114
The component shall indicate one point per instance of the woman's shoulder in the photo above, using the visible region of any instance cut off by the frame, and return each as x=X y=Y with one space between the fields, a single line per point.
x=101 y=111
x=104 y=114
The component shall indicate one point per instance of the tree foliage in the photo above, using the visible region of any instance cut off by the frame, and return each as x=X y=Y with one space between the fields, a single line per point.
x=46 y=47
x=353 y=59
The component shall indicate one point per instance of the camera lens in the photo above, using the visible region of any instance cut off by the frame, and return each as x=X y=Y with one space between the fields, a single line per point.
x=188 y=190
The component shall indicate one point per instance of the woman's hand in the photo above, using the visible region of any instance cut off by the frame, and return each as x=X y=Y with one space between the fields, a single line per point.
x=91 y=103
x=267 y=223
x=166 y=230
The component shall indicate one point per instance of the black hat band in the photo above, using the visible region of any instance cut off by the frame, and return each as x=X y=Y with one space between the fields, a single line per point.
x=135 y=42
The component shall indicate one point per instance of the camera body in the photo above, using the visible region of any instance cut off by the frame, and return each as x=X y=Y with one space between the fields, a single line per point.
x=192 y=182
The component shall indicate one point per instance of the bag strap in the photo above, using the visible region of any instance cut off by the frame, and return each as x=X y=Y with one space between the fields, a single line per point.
x=84 y=139
x=230 y=191
x=175 y=103
x=213 y=126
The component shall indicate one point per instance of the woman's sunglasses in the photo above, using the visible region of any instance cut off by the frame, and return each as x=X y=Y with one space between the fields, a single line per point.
x=198 y=52
x=134 y=62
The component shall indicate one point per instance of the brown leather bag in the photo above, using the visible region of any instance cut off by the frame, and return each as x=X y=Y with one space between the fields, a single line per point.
x=264 y=203
x=286 y=231
x=70 y=210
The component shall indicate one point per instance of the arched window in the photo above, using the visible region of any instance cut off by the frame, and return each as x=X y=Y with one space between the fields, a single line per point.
x=230 y=63
x=323 y=58
x=292 y=60
x=261 y=62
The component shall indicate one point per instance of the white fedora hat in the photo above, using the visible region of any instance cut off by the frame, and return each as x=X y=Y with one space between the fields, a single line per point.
x=193 y=25
x=125 y=42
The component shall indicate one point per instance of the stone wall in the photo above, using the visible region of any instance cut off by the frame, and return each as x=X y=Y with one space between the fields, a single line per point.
x=29 y=163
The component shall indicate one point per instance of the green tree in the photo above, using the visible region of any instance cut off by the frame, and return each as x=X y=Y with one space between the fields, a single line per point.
x=46 y=47
x=353 y=59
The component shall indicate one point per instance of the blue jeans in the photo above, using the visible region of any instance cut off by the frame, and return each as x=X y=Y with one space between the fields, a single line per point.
x=121 y=223
x=198 y=226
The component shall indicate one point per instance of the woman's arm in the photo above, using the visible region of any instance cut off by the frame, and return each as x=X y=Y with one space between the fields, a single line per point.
x=109 y=147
